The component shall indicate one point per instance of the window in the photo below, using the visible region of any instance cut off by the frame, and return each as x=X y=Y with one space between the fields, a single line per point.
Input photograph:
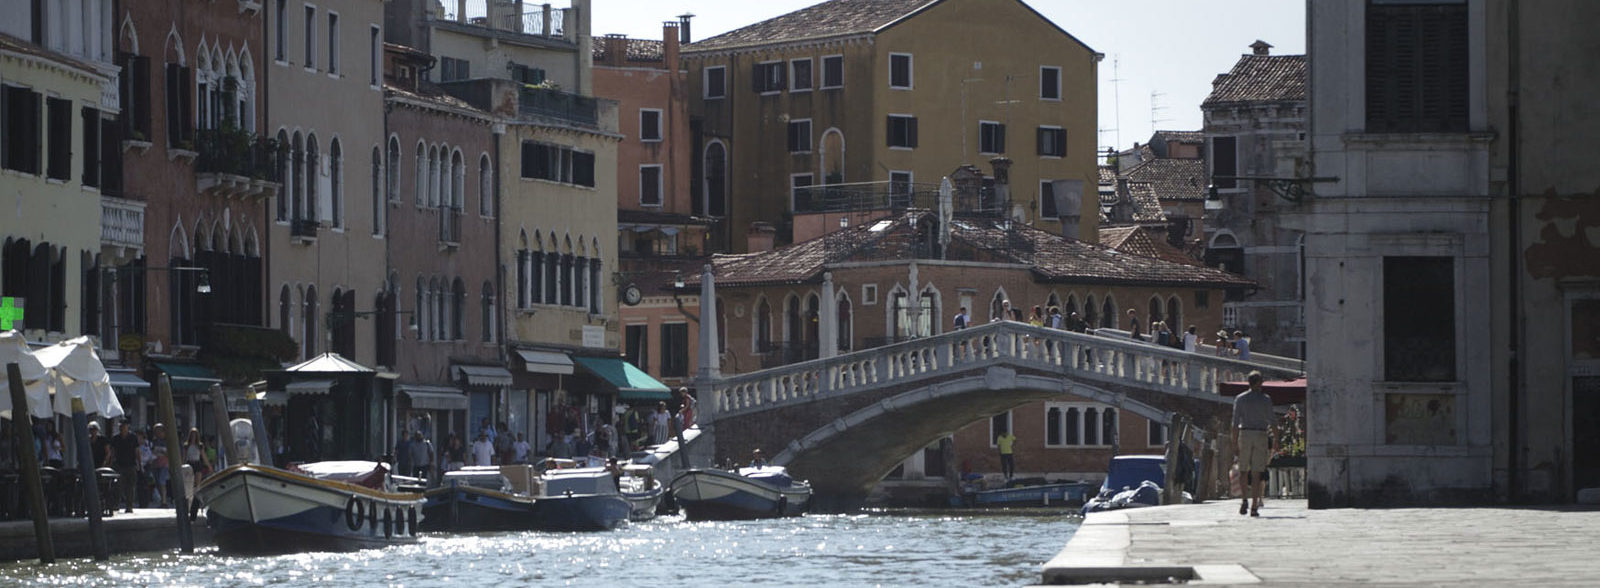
x=800 y=135
x=833 y=72
x=800 y=75
x=991 y=137
x=1419 y=319
x=375 y=57
x=452 y=69
x=869 y=294
x=1078 y=424
x=637 y=339
x=134 y=87
x=902 y=131
x=1155 y=434
x=180 y=106
x=541 y=161
x=485 y=186
x=488 y=313
x=333 y=44
x=282 y=31
x=1047 y=200
x=1049 y=82
x=19 y=129
x=378 y=197
x=900 y=71
x=1416 y=74
x=798 y=184
x=1224 y=162
x=999 y=424
x=716 y=82
x=392 y=174
x=650 y=185
x=768 y=78
x=649 y=124
x=1052 y=142
x=59 y=134
x=310 y=57
x=1202 y=299
x=526 y=75
x=675 y=350
x=92 y=147
x=336 y=183
x=900 y=189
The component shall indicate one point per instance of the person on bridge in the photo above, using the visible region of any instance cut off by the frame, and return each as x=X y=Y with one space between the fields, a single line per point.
x=757 y=460
x=962 y=319
x=1254 y=439
x=1191 y=341
x=1134 y=327
x=1007 y=442
x=1241 y=345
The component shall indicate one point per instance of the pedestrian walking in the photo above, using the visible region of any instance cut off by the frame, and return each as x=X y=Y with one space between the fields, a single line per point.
x=125 y=458
x=422 y=456
x=1254 y=436
x=962 y=319
x=1241 y=345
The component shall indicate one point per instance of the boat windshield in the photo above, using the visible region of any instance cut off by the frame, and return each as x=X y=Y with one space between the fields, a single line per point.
x=1129 y=473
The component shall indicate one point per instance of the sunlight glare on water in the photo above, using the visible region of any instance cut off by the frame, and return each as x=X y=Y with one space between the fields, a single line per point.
x=887 y=548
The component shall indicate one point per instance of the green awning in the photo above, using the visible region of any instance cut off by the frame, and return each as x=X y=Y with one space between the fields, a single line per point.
x=189 y=378
x=631 y=382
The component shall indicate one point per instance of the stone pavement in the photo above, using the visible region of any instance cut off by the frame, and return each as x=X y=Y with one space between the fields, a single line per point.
x=1290 y=545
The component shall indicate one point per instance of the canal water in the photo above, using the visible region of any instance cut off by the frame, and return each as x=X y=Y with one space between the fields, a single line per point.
x=876 y=548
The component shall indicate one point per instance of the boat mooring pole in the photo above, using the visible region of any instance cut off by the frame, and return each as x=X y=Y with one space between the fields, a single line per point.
x=32 y=486
x=219 y=412
x=175 y=488
x=259 y=423
x=91 y=482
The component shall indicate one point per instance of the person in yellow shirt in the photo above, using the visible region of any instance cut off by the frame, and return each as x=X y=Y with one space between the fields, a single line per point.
x=1008 y=463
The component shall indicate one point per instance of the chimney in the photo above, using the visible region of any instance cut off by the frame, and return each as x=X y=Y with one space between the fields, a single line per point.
x=1260 y=47
x=669 y=45
x=760 y=237
x=461 y=11
x=683 y=28
x=616 y=49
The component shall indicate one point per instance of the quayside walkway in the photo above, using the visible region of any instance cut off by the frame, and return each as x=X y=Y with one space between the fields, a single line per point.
x=1290 y=545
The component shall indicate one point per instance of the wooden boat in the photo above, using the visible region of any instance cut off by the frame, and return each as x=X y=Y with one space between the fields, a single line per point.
x=579 y=499
x=484 y=498
x=324 y=506
x=642 y=491
x=748 y=493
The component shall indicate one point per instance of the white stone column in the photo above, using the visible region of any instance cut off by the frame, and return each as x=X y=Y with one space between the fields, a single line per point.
x=710 y=359
x=828 y=327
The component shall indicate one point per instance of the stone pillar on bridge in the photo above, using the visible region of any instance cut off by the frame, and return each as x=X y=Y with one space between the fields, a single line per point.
x=709 y=371
x=828 y=325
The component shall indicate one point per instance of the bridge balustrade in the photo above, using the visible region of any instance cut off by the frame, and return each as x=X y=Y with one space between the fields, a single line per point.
x=1076 y=355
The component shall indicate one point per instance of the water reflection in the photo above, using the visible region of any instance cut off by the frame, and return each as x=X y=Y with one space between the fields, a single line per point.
x=877 y=548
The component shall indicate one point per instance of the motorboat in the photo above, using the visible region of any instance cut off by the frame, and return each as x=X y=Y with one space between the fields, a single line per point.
x=483 y=498
x=1033 y=492
x=322 y=506
x=642 y=490
x=1131 y=481
x=747 y=493
x=580 y=499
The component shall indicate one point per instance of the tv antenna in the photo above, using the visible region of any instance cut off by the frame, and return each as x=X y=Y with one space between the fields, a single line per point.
x=1155 y=111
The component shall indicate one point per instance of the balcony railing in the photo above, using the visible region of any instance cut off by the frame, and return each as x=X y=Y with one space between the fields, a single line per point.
x=566 y=106
x=121 y=222
x=237 y=152
x=449 y=226
x=304 y=228
x=861 y=196
x=543 y=21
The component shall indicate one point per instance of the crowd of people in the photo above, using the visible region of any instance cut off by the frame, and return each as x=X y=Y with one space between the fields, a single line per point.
x=138 y=456
x=1235 y=344
x=628 y=429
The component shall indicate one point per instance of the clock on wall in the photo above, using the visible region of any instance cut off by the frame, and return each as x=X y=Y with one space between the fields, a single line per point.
x=631 y=295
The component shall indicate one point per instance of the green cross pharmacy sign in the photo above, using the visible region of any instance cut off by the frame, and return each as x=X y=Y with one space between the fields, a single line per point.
x=10 y=313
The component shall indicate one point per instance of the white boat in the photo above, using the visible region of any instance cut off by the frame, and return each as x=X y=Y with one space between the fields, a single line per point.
x=748 y=493
x=324 y=506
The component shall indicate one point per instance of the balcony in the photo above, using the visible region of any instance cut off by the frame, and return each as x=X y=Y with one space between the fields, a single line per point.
x=449 y=228
x=234 y=163
x=304 y=230
x=122 y=226
x=543 y=22
x=565 y=106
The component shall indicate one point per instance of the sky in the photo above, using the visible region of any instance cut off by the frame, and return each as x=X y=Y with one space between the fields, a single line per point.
x=1169 y=48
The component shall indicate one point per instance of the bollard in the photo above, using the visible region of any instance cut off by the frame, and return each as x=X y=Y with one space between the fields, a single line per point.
x=32 y=486
x=175 y=489
x=91 y=482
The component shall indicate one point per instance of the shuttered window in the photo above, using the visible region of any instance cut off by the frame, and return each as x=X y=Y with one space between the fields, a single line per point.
x=902 y=131
x=1224 y=162
x=1416 y=67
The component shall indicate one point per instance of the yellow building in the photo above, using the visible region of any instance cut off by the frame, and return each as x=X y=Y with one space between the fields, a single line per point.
x=886 y=97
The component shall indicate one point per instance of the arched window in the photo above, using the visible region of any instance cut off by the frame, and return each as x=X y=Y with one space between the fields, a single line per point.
x=997 y=305
x=1108 y=313
x=488 y=313
x=458 y=311
x=377 y=191
x=423 y=324
x=763 y=320
x=297 y=177
x=1175 y=315
x=313 y=173
x=1091 y=313
x=596 y=269
x=846 y=329
x=552 y=272
x=792 y=323
x=813 y=325
x=420 y=184
x=392 y=178
x=336 y=183
x=309 y=320
x=928 y=311
x=1156 y=311
x=458 y=181
x=716 y=180
x=433 y=177
x=1071 y=307
x=485 y=186
x=285 y=310
x=286 y=157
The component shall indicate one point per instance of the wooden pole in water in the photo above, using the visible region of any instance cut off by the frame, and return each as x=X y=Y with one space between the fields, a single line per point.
x=259 y=423
x=91 y=482
x=219 y=411
x=32 y=486
x=175 y=489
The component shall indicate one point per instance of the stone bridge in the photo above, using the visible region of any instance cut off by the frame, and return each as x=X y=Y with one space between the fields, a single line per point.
x=843 y=422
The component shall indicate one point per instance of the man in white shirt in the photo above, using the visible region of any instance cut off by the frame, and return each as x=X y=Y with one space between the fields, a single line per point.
x=521 y=447
x=482 y=450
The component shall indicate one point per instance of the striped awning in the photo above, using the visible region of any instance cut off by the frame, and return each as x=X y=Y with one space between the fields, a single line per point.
x=484 y=375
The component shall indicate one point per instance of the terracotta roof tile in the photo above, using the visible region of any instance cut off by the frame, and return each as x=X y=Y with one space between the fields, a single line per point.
x=1260 y=78
x=1146 y=205
x=1178 y=136
x=1053 y=258
x=828 y=19
x=1138 y=241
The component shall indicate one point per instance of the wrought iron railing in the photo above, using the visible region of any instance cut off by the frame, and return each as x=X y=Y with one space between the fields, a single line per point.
x=237 y=152
x=304 y=227
x=535 y=22
x=566 y=106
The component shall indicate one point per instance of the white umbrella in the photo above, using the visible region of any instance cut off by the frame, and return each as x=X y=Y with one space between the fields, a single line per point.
x=14 y=349
x=79 y=374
